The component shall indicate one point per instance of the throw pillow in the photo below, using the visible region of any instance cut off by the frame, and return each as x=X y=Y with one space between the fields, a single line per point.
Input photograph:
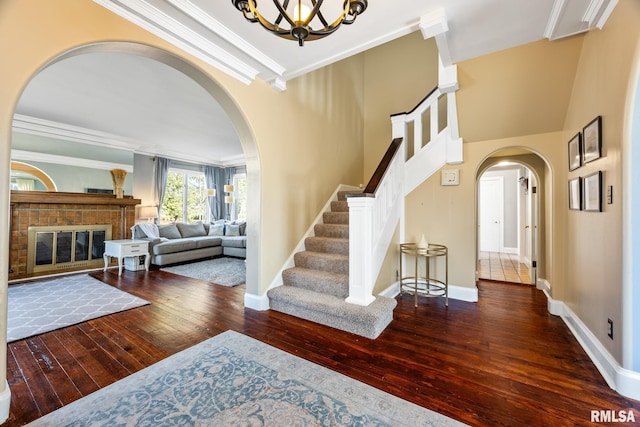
x=191 y=230
x=170 y=231
x=232 y=230
x=216 y=230
x=149 y=230
x=243 y=227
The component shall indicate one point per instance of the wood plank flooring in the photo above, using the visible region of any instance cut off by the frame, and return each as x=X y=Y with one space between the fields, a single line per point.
x=503 y=361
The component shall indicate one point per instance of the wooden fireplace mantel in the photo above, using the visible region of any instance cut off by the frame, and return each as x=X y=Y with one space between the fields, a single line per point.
x=57 y=197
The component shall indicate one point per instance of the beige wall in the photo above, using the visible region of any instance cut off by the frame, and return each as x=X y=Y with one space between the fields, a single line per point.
x=397 y=76
x=447 y=214
x=594 y=283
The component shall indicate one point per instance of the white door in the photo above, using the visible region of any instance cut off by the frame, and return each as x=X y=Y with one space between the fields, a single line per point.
x=491 y=213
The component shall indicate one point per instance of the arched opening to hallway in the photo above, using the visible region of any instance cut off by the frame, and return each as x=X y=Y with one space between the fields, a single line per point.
x=510 y=216
x=506 y=223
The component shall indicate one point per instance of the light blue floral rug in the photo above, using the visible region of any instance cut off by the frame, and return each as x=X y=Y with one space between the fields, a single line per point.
x=38 y=307
x=235 y=380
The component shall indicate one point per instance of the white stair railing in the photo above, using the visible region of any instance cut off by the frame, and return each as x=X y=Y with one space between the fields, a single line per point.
x=431 y=137
x=425 y=139
x=373 y=215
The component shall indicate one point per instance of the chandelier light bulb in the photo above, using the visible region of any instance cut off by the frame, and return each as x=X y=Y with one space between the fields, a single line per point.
x=301 y=12
x=303 y=22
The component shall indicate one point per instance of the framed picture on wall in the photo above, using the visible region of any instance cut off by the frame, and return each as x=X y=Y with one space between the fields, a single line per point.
x=592 y=140
x=575 y=152
x=575 y=194
x=592 y=192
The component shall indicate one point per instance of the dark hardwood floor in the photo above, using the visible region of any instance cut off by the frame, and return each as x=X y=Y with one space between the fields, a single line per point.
x=501 y=361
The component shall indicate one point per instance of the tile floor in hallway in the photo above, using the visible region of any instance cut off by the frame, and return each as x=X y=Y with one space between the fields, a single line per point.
x=502 y=267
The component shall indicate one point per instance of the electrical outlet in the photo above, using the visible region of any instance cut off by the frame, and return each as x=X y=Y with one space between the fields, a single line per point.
x=610 y=328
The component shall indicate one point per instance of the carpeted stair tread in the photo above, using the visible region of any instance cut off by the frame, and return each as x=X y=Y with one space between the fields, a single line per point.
x=336 y=218
x=318 y=281
x=334 y=263
x=332 y=311
x=334 y=245
x=342 y=195
x=339 y=206
x=332 y=230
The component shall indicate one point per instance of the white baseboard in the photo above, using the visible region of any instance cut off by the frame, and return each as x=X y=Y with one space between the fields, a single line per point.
x=256 y=302
x=463 y=293
x=510 y=251
x=5 y=403
x=455 y=292
x=543 y=285
x=624 y=381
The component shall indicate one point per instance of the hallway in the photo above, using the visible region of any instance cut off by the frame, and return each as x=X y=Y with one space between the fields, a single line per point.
x=502 y=267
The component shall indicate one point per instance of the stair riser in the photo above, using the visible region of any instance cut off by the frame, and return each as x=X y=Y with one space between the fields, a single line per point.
x=335 y=218
x=334 y=246
x=340 y=266
x=332 y=230
x=338 y=287
x=325 y=316
x=340 y=206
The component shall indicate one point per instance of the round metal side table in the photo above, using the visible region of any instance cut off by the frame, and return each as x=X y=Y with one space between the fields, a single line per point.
x=426 y=285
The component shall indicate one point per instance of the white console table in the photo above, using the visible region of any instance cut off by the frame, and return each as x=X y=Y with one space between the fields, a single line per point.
x=125 y=248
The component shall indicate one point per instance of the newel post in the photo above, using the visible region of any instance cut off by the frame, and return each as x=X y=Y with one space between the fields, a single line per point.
x=361 y=280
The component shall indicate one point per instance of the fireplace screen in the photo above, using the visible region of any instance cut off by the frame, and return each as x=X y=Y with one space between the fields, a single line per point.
x=56 y=248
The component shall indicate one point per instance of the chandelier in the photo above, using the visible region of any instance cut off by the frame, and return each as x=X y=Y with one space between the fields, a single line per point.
x=300 y=19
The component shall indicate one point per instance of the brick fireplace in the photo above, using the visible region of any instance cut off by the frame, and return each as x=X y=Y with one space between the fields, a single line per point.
x=59 y=213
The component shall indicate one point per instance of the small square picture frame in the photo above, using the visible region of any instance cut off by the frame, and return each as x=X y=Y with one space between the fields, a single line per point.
x=575 y=194
x=450 y=177
x=592 y=192
x=575 y=152
x=592 y=141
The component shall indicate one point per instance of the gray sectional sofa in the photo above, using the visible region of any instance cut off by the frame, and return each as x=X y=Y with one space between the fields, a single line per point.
x=179 y=242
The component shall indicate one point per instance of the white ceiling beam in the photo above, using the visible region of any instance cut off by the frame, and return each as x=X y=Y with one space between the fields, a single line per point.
x=435 y=24
x=31 y=156
x=188 y=8
x=140 y=13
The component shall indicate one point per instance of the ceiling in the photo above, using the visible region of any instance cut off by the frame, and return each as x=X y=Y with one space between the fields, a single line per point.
x=147 y=107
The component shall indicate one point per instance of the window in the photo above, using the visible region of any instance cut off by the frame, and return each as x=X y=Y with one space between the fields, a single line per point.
x=240 y=196
x=185 y=198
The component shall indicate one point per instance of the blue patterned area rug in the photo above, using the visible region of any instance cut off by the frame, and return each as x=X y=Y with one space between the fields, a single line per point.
x=234 y=380
x=38 y=307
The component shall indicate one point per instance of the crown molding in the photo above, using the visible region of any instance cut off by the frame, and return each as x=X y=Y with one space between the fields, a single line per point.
x=188 y=8
x=159 y=23
x=402 y=31
x=595 y=15
x=50 y=129
x=30 y=156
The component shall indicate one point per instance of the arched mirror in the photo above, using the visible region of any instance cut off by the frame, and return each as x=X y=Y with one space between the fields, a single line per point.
x=25 y=177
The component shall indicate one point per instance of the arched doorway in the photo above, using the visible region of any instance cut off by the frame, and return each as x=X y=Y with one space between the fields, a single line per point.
x=507 y=219
x=525 y=247
x=20 y=170
x=229 y=106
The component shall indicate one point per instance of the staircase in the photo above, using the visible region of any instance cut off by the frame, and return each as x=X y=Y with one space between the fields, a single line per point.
x=316 y=287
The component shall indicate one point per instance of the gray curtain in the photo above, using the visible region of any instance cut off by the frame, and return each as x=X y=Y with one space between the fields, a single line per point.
x=160 y=180
x=212 y=177
x=228 y=179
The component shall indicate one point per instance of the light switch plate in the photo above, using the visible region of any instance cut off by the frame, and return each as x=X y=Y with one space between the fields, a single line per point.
x=450 y=177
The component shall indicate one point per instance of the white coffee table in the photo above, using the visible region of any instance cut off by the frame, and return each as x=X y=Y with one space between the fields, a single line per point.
x=125 y=248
